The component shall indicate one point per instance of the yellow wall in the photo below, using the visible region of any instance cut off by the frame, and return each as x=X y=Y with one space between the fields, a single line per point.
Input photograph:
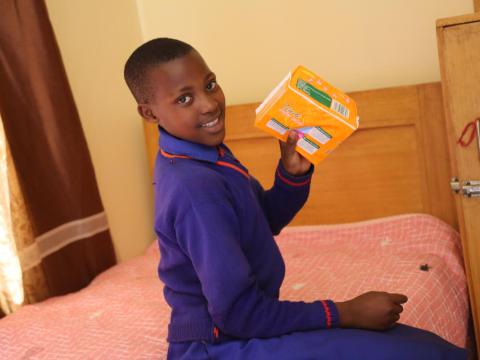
x=95 y=39
x=250 y=45
x=353 y=44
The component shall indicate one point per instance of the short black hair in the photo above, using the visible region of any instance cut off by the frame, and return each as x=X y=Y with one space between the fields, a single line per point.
x=153 y=52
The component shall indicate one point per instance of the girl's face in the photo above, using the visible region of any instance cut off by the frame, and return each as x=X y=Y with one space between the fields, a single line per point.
x=186 y=100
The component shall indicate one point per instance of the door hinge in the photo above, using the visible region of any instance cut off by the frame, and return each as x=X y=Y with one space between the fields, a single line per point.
x=469 y=188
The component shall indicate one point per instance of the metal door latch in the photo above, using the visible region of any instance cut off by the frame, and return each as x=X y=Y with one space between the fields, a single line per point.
x=470 y=188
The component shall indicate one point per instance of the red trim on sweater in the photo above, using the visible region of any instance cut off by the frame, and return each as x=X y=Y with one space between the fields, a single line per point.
x=170 y=156
x=220 y=163
x=291 y=182
x=328 y=315
x=223 y=163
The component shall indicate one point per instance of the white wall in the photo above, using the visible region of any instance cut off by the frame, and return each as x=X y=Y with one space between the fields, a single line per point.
x=95 y=39
x=355 y=45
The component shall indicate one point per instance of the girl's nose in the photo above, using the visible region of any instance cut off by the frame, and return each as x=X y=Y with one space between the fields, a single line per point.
x=208 y=104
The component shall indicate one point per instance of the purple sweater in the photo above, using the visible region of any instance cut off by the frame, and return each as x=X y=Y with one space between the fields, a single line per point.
x=220 y=264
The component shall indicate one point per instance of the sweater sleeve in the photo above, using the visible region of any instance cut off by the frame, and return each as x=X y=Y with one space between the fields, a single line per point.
x=286 y=197
x=209 y=233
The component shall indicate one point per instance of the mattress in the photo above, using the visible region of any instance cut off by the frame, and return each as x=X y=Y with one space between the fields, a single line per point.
x=122 y=313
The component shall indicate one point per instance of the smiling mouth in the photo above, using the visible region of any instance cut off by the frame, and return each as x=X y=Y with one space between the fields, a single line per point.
x=211 y=123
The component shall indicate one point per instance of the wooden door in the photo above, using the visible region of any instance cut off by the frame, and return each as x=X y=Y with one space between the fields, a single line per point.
x=459 y=53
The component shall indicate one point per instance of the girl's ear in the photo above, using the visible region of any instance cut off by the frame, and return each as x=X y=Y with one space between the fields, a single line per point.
x=146 y=112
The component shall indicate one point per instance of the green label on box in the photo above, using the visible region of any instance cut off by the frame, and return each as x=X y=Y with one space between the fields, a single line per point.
x=279 y=123
x=324 y=132
x=277 y=126
x=311 y=142
x=314 y=93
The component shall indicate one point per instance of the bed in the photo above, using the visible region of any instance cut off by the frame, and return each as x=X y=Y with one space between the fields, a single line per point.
x=380 y=217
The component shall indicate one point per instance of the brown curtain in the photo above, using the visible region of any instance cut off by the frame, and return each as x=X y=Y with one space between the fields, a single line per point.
x=67 y=227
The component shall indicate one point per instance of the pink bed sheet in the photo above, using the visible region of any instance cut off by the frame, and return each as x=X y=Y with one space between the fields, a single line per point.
x=122 y=314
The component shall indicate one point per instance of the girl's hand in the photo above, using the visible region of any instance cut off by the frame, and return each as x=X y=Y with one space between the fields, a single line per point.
x=373 y=310
x=292 y=161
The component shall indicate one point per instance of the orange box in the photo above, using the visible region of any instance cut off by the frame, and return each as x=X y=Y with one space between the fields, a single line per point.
x=322 y=115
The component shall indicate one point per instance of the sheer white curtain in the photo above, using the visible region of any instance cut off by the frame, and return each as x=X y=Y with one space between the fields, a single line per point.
x=11 y=288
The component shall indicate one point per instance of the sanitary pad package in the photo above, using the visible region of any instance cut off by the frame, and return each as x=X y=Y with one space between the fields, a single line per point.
x=322 y=115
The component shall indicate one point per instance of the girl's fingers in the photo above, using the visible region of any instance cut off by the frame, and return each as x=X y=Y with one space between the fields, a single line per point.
x=289 y=146
x=397 y=309
x=398 y=298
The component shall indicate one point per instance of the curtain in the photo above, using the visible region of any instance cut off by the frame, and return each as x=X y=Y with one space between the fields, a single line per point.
x=62 y=228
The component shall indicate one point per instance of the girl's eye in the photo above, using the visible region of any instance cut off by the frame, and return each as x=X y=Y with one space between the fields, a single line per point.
x=184 y=99
x=211 y=85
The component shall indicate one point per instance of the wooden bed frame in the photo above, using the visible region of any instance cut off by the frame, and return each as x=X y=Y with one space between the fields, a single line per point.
x=396 y=162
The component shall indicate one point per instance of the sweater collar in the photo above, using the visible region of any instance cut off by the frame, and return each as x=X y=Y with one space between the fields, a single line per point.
x=175 y=146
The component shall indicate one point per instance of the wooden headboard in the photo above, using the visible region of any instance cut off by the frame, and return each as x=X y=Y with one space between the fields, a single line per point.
x=396 y=162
